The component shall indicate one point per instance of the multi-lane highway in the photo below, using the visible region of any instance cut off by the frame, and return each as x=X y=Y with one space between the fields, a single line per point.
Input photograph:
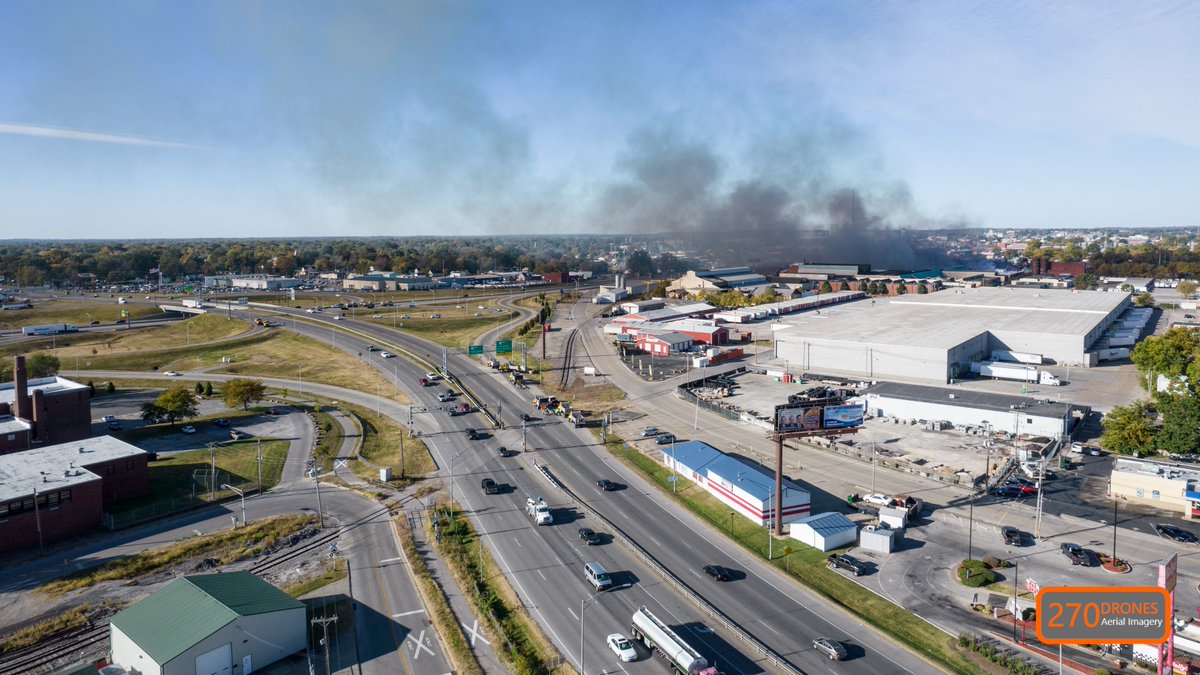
x=544 y=563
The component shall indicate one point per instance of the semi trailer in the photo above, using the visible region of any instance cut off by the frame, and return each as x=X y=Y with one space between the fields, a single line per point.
x=49 y=329
x=1016 y=357
x=657 y=637
x=1014 y=371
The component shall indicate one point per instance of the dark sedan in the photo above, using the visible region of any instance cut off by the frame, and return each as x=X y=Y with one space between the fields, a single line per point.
x=1012 y=536
x=606 y=485
x=717 y=572
x=589 y=536
x=1178 y=534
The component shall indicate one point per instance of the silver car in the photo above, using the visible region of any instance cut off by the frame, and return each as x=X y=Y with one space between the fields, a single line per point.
x=830 y=647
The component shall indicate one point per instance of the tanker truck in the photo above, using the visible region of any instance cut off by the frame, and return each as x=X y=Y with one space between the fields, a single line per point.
x=658 y=637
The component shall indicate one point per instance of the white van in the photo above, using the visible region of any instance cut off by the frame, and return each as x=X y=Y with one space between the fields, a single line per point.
x=596 y=576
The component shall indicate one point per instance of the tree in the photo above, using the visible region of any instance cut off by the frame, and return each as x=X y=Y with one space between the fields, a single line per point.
x=862 y=286
x=640 y=263
x=242 y=393
x=208 y=388
x=42 y=365
x=1186 y=288
x=901 y=288
x=1128 y=430
x=152 y=412
x=922 y=289
x=844 y=286
x=199 y=389
x=92 y=389
x=176 y=403
x=1144 y=299
x=1180 y=434
x=1126 y=288
x=659 y=290
x=1170 y=354
x=826 y=287
x=1085 y=281
x=110 y=388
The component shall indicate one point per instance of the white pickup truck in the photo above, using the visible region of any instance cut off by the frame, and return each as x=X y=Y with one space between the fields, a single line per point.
x=538 y=510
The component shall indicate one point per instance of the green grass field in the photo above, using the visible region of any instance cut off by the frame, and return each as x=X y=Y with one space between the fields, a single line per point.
x=176 y=475
x=381 y=445
x=73 y=312
x=194 y=331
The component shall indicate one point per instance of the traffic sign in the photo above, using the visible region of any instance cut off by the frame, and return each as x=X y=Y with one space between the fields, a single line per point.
x=503 y=346
x=474 y=350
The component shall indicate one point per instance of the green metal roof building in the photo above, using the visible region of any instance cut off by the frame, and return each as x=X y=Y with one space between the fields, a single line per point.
x=210 y=624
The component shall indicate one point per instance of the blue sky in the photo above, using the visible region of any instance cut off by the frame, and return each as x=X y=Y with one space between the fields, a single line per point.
x=184 y=119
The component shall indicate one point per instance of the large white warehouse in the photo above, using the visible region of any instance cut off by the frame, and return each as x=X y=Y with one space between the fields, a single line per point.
x=935 y=337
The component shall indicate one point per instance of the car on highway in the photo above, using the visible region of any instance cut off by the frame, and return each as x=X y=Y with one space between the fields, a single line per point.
x=1178 y=534
x=222 y=422
x=189 y=429
x=339 y=317
x=505 y=452
x=376 y=316
x=108 y=418
x=435 y=316
x=665 y=439
x=649 y=431
x=1076 y=554
x=372 y=348
x=622 y=647
x=431 y=376
x=114 y=426
x=171 y=373
x=386 y=355
x=526 y=417
x=606 y=485
x=589 y=536
x=841 y=561
x=94 y=323
x=489 y=486
x=442 y=397
x=830 y=647
x=472 y=434
x=1012 y=536
x=718 y=572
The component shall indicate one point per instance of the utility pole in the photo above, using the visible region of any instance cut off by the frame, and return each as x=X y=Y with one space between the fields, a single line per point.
x=260 y=460
x=325 y=621
x=212 y=478
x=524 y=428
x=320 y=511
x=499 y=412
x=353 y=622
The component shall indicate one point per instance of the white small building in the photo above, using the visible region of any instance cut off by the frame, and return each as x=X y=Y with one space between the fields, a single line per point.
x=746 y=488
x=825 y=531
x=210 y=623
x=965 y=407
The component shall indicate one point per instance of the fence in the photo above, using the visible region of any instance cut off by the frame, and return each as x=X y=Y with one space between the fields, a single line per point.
x=170 y=506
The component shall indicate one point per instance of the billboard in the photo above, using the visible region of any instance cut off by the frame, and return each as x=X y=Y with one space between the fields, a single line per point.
x=843 y=416
x=789 y=418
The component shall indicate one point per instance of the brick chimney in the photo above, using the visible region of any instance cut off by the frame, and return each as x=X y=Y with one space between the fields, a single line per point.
x=21 y=389
x=38 y=413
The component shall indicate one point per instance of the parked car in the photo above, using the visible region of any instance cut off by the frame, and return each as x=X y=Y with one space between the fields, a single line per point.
x=877 y=499
x=606 y=485
x=1076 y=554
x=222 y=423
x=1025 y=489
x=1012 y=536
x=236 y=435
x=847 y=562
x=1009 y=491
x=489 y=486
x=171 y=373
x=589 y=536
x=108 y=418
x=114 y=425
x=189 y=429
x=1178 y=534
x=621 y=647
x=830 y=647
x=1093 y=451
x=665 y=439
x=717 y=572
x=649 y=431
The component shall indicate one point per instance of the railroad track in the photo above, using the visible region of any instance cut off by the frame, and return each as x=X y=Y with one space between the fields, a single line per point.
x=568 y=353
x=54 y=651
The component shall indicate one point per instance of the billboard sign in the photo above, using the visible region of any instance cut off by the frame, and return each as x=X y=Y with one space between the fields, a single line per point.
x=843 y=416
x=792 y=418
x=1167 y=572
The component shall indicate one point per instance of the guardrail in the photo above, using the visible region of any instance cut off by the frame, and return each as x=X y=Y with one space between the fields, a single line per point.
x=720 y=617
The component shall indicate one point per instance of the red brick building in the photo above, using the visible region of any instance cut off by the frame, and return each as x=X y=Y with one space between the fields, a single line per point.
x=55 y=410
x=60 y=491
x=557 y=277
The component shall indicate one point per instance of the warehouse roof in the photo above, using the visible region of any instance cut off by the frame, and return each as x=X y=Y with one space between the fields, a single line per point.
x=948 y=318
x=188 y=610
x=668 y=338
x=967 y=398
x=48 y=385
x=55 y=467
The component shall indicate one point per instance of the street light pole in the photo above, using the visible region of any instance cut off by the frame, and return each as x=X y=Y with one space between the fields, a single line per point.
x=301 y=393
x=320 y=511
x=674 y=474
x=226 y=486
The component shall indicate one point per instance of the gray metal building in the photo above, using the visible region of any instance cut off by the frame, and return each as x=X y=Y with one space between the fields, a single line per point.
x=935 y=337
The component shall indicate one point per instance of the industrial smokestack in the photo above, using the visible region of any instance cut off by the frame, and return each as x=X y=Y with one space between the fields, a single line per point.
x=21 y=388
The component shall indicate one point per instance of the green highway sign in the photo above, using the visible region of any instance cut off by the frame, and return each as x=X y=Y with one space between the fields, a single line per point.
x=475 y=350
x=503 y=346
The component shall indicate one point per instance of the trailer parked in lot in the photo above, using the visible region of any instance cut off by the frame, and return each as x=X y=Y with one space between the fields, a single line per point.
x=655 y=634
x=1014 y=371
x=1016 y=357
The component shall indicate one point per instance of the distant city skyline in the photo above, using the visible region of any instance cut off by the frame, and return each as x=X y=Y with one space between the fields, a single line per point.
x=192 y=119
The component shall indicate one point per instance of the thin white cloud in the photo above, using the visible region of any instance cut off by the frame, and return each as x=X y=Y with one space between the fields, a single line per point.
x=90 y=136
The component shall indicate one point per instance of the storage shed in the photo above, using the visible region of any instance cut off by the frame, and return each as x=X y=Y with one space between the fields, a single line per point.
x=209 y=624
x=825 y=531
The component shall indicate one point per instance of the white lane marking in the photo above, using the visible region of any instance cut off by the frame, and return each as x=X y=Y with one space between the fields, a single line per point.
x=475 y=633
x=390 y=560
x=770 y=628
x=573 y=613
x=543 y=576
x=415 y=611
x=420 y=645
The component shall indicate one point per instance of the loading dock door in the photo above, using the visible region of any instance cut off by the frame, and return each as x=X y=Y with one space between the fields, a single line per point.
x=216 y=662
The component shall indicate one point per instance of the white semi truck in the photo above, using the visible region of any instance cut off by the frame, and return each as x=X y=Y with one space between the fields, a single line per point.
x=655 y=634
x=1014 y=371
x=538 y=510
x=51 y=329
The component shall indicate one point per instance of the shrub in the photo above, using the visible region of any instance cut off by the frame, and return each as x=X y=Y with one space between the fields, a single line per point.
x=975 y=573
x=994 y=563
